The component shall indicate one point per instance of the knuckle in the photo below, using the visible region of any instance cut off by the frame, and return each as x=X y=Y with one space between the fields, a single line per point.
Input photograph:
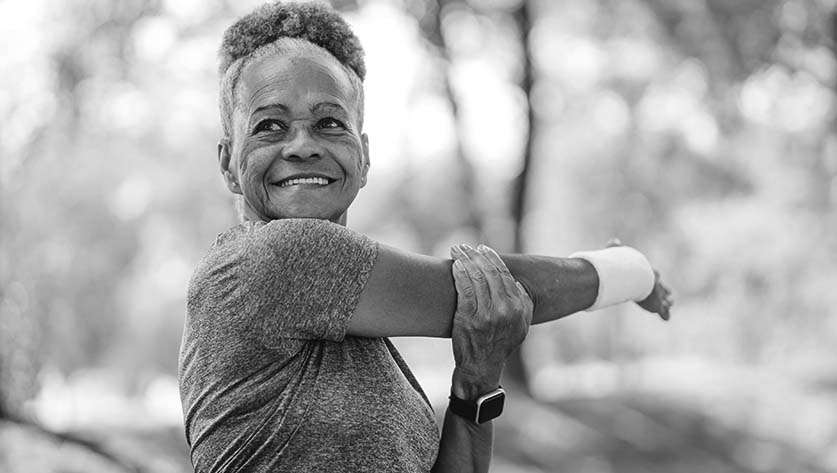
x=466 y=304
x=468 y=309
x=467 y=296
x=502 y=308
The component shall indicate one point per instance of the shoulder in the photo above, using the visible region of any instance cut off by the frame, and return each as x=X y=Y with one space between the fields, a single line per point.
x=288 y=240
x=299 y=237
x=222 y=260
x=283 y=232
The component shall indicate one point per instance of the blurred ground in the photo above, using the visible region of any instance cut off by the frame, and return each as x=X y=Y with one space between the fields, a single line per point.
x=645 y=426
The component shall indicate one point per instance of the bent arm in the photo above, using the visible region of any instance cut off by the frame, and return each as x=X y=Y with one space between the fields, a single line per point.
x=414 y=295
x=464 y=446
x=492 y=318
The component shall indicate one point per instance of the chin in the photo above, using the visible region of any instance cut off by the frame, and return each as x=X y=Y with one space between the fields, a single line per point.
x=332 y=215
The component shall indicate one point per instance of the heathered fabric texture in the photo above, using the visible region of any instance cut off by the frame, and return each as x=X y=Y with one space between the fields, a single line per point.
x=270 y=382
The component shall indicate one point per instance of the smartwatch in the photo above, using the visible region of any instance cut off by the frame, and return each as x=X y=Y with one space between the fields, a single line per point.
x=483 y=409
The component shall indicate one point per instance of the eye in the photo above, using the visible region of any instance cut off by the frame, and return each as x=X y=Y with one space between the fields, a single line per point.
x=268 y=125
x=330 y=124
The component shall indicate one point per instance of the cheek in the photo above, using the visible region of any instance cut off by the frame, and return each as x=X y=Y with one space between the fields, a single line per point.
x=352 y=154
x=254 y=161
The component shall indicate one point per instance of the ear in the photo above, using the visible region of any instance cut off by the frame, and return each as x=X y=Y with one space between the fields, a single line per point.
x=224 y=160
x=364 y=141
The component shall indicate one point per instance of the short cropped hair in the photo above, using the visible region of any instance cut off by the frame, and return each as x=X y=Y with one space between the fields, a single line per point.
x=285 y=27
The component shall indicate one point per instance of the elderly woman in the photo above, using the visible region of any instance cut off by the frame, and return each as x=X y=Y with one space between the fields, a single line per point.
x=285 y=363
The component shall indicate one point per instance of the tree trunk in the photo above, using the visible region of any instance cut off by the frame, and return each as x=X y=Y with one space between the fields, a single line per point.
x=430 y=22
x=515 y=366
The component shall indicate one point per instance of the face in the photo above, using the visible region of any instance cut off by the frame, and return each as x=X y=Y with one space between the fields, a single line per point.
x=296 y=150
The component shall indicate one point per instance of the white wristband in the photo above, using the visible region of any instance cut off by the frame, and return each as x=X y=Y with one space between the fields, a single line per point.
x=624 y=275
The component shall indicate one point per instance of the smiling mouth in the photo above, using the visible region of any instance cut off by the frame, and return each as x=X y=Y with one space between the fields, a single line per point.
x=311 y=181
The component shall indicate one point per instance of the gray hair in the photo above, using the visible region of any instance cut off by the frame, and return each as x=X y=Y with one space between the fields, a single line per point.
x=286 y=28
x=229 y=97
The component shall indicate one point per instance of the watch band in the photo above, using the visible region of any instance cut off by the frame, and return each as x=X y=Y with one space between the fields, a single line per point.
x=480 y=410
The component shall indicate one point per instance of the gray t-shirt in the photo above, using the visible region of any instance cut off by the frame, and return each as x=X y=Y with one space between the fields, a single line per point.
x=270 y=381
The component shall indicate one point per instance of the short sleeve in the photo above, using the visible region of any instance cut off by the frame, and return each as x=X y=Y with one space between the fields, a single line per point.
x=303 y=278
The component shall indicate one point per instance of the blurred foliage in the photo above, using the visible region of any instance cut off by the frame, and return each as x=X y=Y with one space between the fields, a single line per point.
x=702 y=132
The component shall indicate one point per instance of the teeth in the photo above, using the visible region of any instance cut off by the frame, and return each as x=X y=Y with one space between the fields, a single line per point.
x=304 y=180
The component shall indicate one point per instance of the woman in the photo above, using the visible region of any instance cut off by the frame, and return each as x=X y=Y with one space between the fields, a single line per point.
x=285 y=363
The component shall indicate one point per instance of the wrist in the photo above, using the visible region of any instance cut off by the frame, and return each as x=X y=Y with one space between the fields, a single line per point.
x=480 y=410
x=624 y=275
x=467 y=384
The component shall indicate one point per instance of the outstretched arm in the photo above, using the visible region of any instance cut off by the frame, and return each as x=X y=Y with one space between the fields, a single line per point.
x=413 y=295
x=381 y=291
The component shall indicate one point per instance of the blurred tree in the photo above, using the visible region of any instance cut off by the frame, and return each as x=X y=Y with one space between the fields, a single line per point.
x=430 y=15
x=522 y=18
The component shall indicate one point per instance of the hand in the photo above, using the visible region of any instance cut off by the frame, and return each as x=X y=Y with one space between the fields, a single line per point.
x=492 y=318
x=660 y=300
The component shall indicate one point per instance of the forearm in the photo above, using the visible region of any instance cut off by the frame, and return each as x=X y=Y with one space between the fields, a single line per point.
x=465 y=447
x=413 y=295
x=558 y=286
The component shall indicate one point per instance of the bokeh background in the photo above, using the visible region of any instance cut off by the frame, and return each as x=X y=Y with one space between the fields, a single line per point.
x=700 y=131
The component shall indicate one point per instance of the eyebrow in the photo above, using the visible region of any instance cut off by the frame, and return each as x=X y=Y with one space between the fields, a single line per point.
x=318 y=107
x=328 y=107
x=271 y=106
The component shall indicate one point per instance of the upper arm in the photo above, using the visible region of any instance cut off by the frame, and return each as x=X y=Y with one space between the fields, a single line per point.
x=312 y=279
x=407 y=294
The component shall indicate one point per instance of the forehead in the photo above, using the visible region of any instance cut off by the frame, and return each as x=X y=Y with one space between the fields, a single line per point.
x=295 y=80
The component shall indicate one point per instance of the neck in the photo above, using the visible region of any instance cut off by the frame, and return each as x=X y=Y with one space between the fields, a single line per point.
x=250 y=215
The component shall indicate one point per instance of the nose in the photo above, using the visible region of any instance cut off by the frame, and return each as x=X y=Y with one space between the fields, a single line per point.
x=301 y=145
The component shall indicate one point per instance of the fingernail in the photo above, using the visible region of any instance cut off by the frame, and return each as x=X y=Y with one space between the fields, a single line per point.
x=466 y=247
x=455 y=249
x=482 y=248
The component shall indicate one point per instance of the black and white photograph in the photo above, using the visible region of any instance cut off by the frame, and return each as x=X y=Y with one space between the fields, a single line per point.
x=418 y=236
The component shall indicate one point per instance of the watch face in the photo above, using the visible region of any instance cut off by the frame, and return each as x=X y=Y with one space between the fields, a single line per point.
x=490 y=407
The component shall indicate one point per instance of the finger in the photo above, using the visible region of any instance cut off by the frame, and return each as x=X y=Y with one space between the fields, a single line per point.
x=466 y=300
x=665 y=313
x=456 y=252
x=465 y=251
x=527 y=301
x=522 y=290
x=666 y=294
x=469 y=270
x=665 y=309
x=479 y=279
x=494 y=258
x=492 y=275
x=506 y=278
